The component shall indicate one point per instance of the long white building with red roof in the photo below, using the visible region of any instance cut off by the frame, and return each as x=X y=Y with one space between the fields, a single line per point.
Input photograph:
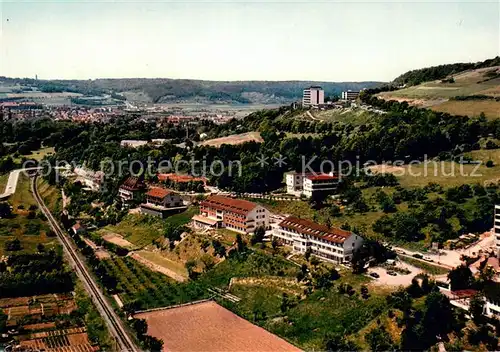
x=235 y=214
x=328 y=243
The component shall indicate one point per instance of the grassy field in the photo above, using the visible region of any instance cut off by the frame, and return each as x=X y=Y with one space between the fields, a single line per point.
x=491 y=108
x=3 y=182
x=436 y=95
x=141 y=230
x=161 y=260
x=50 y=195
x=30 y=232
x=446 y=174
x=355 y=116
x=310 y=318
x=427 y=267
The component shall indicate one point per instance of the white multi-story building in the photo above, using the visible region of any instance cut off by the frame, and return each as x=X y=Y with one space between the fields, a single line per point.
x=331 y=244
x=313 y=96
x=496 y=228
x=92 y=180
x=311 y=184
x=235 y=214
x=350 y=95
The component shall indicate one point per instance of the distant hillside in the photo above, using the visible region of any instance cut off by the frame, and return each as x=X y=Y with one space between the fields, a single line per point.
x=164 y=90
x=467 y=89
x=427 y=74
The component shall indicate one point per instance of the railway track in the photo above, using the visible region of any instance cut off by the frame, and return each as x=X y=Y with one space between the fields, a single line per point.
x=113 y=321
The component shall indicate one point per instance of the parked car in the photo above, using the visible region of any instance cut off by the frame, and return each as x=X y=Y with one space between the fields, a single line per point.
x=392 y=273
x=375 y=275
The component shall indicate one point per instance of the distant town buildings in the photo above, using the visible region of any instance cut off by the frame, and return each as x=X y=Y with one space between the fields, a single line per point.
x=130 y=189
x=310 y=184
x=132 y=143
x=235 y=214
x=313 y=96
x=328 y=243
x=350 y=95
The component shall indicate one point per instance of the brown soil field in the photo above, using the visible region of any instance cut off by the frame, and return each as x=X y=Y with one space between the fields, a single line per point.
x=40 y=326
x=234 y=139
x=36 y=307
x=209 y=327
x=118 y=240
x=385 y=169
x=74 y=339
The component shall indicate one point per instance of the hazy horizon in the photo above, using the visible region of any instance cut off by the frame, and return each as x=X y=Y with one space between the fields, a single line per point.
x=242 y=41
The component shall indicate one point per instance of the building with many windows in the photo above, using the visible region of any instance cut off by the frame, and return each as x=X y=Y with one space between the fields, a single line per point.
x=161 y=202
x=235 y=214
x=313 y=96
x=328 y=243
x=350 y=95
x=131 y=188
x=311 y=184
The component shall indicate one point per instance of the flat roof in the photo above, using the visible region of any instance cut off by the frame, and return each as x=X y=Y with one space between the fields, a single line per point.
x=204 y=220
x=209 y=327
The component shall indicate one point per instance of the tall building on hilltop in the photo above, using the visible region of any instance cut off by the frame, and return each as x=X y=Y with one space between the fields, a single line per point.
x=313 y=96
x=350 y=95
x=497 y=229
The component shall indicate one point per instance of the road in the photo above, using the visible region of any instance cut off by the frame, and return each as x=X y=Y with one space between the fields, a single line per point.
x=11 y=186
x=115 y=325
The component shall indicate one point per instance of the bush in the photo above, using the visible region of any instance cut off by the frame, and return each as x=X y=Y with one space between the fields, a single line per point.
x=490 y=163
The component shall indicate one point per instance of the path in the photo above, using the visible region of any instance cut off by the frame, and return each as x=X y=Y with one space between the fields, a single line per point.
x=311 y=116
x=158 y=268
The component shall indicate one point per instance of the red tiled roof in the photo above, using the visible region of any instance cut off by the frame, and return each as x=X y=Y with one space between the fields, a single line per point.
x=464 y=293
x=132 y=184
x=158 y=192
x=321 y=177
x=303 y=226
x=180 y=178
x=238 y=206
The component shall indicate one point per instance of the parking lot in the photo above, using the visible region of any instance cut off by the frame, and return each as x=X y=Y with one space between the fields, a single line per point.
x=387 y=280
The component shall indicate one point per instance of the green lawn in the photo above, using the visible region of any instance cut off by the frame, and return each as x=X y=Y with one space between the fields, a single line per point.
x=427 y=267
x=447 y=174
x=355 y=116
x=37 y=154
x=141 y=230
x=3 y=182
x=30 y=232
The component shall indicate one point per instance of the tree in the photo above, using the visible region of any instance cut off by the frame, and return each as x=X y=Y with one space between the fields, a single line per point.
x=240 y=245
x=258 y=235
x=40 y=247
x=307 y=254
x=476 y=308
x=461 y=278
x=14 y=245
x=190 y=265
x=5 y=210
x=338 y=343
x=490 y=163
x=285 y=302
x=379 y=339
x=3 y=322
x=140 y=326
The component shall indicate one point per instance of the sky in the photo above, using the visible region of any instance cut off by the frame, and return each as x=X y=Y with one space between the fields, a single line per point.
x=242 y=40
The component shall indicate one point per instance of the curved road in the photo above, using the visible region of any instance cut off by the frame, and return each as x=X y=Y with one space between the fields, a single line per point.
x=113 y=321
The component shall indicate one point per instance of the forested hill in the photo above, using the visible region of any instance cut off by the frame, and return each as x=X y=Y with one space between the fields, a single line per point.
x=427 y=74
x=186 y=90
